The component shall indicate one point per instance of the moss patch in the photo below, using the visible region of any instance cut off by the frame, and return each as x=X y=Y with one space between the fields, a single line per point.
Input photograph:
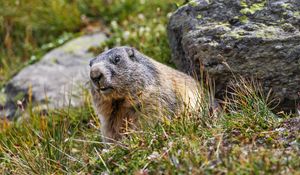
x=252 y=8
x=244 y=19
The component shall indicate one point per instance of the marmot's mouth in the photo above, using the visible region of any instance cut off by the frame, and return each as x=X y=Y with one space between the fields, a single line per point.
x=106 y=90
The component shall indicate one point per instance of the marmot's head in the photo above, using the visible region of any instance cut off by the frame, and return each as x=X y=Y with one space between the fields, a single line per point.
x=121 y=70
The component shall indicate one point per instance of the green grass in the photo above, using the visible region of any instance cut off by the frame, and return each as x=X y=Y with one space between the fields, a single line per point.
x=246 y=137
x=241 y=139
x=30 y=28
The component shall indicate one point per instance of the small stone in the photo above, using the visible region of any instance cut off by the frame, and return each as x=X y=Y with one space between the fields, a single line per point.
x=153 y=156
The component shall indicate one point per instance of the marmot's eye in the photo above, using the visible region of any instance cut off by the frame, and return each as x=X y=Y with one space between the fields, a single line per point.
x=116 y=59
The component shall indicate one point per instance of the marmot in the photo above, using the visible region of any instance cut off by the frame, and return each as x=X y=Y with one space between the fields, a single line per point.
x=126 y=83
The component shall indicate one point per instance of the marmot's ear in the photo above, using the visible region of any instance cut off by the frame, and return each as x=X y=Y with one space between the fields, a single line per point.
x=131 y=53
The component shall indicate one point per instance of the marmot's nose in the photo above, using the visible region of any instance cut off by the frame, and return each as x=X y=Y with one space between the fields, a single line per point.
x=96 y=74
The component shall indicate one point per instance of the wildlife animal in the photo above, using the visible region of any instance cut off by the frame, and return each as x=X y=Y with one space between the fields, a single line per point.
x=126 y=85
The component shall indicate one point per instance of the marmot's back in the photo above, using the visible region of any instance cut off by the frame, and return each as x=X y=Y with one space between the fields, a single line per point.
x=184 y=86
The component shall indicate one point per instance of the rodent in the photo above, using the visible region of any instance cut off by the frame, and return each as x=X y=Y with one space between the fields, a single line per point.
x=126 y=84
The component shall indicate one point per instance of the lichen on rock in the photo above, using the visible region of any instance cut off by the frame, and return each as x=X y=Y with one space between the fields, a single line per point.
x=259 y=39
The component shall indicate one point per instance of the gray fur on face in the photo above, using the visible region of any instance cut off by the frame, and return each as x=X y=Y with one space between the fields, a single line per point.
x=124 y=69
x=128 y=86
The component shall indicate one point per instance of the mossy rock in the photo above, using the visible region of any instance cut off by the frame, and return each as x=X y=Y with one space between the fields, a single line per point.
x=260 y=39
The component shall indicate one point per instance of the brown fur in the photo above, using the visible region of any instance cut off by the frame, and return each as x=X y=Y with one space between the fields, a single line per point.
x=119 y=113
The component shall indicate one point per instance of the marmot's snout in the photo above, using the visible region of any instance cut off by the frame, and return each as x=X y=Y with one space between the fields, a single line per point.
x=96 y=75
x=99 y=80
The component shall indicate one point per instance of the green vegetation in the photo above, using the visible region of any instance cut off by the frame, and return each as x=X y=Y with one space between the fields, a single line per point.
x=253 y=8
x=244 y=138
x=29 y=28
x=250 y=9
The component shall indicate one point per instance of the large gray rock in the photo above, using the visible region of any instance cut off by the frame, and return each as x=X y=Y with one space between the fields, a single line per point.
x=252 y=38
x=58 y=79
